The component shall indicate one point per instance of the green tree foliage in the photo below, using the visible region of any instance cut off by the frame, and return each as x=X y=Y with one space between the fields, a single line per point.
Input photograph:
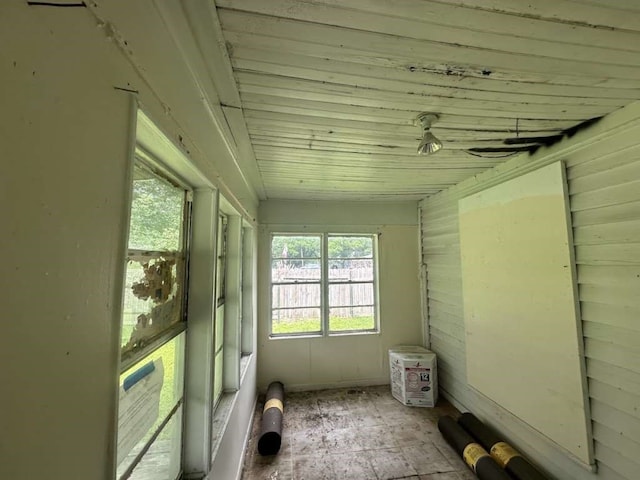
x=156 y=215
x=304 y=251
x=350 y=247
x=296 y=247
x=308 y=247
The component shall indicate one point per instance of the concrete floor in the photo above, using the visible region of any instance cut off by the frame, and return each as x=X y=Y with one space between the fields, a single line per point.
x=356 y=433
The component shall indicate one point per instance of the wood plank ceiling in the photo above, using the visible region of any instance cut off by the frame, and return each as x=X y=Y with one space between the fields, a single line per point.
x=330 y=88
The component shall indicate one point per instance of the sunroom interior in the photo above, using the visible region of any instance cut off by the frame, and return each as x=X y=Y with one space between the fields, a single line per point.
x=155 y=154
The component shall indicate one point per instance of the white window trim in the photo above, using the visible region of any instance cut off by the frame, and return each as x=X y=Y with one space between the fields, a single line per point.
x=158 y=168
x=203 y=422
x=324 y=283
x=233 y=310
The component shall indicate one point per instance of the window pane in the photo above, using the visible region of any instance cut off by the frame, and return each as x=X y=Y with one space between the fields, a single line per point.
x=350 y=270
x=219 y=328
x=217 y=376
x=171 y=358
x=156 y=213
x=295 y=270
x=350 y=294
x=299 y=283
x=287 y=247
x=152 y=296
x=295 y=296
x=153 y=292
x=162 y=460
x=221 y=273
x=218 y=354
x=299 y=320
x=351 y=318
x=350 y=246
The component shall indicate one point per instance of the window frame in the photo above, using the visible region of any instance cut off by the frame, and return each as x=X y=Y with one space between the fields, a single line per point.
x=220 y=318
x=374 y=282
x=177 y=331
x=203 y=425
x=325 y=283
x=130 y=357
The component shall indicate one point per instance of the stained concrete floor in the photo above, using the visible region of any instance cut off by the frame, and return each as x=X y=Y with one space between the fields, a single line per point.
x=359 y=434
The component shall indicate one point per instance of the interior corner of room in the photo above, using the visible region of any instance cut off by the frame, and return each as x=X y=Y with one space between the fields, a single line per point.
x=201 y=198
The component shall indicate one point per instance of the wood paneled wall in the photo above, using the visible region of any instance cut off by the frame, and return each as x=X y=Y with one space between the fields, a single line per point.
x=603 y=170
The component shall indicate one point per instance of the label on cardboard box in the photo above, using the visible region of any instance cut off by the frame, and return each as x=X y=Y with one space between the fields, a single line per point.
x=417 y=382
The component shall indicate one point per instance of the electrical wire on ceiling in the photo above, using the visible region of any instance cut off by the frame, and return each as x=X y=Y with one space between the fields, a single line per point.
x=535 y=141
x=491 y=156
x=510 y=154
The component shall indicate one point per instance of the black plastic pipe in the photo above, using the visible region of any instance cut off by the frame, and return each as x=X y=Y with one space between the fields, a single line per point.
x=504 y=454
x=271 y=427
x=472 y=453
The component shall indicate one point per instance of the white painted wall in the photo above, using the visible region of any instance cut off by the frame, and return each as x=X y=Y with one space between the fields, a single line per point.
x=65 y=142
x=603 y=171
x=311 y=363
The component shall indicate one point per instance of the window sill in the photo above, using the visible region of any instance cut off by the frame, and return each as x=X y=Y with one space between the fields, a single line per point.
x=320 y=335
x=298 y=336
x=221 y=418
x=348 y=334
x=222 y=413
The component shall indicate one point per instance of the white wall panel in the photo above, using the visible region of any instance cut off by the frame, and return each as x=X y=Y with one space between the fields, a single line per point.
x=523 y=337
x=603 y=164
x=65 y=134
x=322 y=362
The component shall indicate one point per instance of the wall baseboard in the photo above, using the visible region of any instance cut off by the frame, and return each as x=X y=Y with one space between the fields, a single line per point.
x=304 y=387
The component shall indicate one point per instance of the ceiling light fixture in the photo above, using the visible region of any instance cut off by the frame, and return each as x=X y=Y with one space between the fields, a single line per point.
x=429 y=144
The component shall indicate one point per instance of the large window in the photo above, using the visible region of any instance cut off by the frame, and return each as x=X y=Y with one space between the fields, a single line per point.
x=153 y=329
x=183 y=310
x=323 y=284
x=155 y=278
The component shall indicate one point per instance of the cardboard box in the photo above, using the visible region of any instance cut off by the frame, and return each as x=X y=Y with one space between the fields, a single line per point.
x=414 y=376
